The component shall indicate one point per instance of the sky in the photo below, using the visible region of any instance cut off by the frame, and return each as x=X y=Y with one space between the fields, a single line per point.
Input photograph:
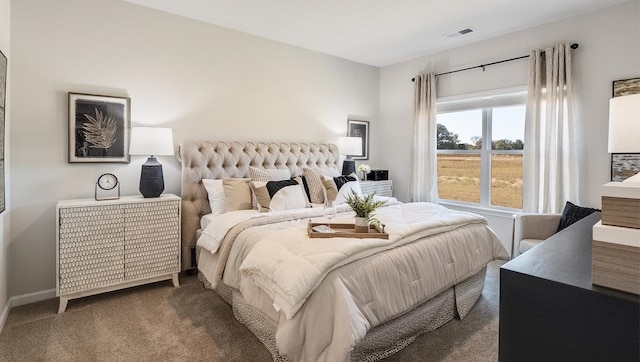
x=508 y=123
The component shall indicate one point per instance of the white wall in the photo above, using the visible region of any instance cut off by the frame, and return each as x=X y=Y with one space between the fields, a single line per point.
x=5 y=46
x=609 y=49
x=204 y=81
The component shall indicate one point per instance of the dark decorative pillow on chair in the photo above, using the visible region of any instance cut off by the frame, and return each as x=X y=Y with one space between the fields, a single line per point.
x=573 y=213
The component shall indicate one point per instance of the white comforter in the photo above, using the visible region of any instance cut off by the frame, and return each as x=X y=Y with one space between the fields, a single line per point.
x=334 y=294
x=289 y=270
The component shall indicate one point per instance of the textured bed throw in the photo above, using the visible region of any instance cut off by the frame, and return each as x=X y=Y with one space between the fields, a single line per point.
x=289 y=270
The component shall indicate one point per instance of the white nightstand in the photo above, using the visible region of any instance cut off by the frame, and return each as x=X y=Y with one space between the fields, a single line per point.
x=114 y=244
x=381 y=188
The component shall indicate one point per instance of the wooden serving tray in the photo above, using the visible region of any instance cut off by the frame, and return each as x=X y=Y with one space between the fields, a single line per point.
x=345 y=231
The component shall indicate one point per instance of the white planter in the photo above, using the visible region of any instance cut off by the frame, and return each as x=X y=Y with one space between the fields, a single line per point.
x=362 y=226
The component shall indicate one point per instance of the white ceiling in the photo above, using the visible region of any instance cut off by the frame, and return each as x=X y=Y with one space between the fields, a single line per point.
x=376 y=32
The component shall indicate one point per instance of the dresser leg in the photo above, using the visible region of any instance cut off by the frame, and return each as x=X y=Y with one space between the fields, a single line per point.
x=63 y=304
x=174 y=279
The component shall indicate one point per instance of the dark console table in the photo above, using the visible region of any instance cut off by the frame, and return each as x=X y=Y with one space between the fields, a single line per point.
x=550 y=311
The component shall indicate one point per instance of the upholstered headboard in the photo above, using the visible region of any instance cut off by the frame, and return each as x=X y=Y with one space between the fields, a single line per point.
x=215 y=160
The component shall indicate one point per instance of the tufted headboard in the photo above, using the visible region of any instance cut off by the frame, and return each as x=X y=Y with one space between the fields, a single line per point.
x=215 y=160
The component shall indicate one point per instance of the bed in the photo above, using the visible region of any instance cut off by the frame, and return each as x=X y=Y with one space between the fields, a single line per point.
x=344 y=299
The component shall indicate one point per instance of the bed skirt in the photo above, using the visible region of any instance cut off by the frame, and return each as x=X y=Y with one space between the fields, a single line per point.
x=381 y=341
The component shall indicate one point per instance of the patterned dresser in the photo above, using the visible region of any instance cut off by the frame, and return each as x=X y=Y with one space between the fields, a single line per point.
x=114 y=244
x=381 y=188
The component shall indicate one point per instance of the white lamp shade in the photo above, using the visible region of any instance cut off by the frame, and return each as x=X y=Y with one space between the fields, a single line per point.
x=624 y=124
x=350 y=145
x=151 y=141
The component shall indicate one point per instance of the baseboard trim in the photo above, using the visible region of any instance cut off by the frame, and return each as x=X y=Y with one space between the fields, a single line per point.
x=4 y=315
x=23 y=299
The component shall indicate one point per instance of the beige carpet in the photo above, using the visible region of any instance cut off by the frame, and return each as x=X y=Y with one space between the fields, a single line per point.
x=160 y=323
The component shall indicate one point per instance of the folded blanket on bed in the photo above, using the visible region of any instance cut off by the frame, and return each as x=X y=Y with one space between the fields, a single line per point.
x=289 y=266
x=220 y=234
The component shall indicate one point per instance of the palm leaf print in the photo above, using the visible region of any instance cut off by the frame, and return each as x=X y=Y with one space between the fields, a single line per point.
x=100 y=131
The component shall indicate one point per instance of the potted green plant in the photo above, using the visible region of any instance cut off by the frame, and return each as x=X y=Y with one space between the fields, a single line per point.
x=364 y=207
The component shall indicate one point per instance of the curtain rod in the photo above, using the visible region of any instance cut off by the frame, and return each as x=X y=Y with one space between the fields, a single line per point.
x=573 y=46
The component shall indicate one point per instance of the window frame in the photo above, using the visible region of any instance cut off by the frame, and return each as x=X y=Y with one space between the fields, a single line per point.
x=486 y=102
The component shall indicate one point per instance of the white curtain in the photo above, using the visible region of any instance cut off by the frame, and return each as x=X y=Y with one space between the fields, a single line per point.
x=424 y=173
x=550 y=154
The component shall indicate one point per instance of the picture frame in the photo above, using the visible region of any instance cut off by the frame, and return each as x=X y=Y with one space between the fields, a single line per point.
x=625 y=87
x=99 y=128
x=624 y=165
x=358 y=128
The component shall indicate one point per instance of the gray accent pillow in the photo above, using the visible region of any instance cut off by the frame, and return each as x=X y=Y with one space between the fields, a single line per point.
x=316 y=187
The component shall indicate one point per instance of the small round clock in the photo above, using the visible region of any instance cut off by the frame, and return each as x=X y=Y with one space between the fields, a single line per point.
x=107 y=182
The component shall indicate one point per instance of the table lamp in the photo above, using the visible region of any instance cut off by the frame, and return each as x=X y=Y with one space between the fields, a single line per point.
x=616 y=238
x=624 y=127
x=349 y=146
x=151 y=142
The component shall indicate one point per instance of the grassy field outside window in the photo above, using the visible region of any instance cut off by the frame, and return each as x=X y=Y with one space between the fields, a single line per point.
x=477 y=172
x=459 y=179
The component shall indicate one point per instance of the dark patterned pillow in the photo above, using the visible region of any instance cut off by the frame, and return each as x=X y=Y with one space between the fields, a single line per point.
x=342 y=180
x=573 y=213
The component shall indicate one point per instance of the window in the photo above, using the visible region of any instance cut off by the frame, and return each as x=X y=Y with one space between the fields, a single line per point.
x=473 y=171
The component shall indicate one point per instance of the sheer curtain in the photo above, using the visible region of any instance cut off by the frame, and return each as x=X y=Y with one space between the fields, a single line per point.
x=550 y=153
x=424 y=173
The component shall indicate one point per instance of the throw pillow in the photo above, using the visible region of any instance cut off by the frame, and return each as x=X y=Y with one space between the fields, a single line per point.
x=267 y=174
x=305 y=185
x=237 y=193
x=339 y=188
x=279 y=195
x=215 y=193
x=573 y=213
x=316 y=189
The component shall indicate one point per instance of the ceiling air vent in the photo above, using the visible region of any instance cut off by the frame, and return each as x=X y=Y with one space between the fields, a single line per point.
x=458 y=33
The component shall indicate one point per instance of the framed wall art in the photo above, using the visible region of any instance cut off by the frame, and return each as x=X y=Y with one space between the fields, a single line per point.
x=625 y=165
x=3 y=100
x=625 y=87
x=359 y=129
x=99 y=128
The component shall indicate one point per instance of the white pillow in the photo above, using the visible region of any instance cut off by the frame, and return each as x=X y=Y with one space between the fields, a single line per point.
x=267 y=174
x=341 y=194
x=215 y=192
x=279 y=195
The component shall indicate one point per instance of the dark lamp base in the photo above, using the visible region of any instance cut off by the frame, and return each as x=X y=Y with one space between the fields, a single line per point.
x=151 y=179
x=348 y=166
